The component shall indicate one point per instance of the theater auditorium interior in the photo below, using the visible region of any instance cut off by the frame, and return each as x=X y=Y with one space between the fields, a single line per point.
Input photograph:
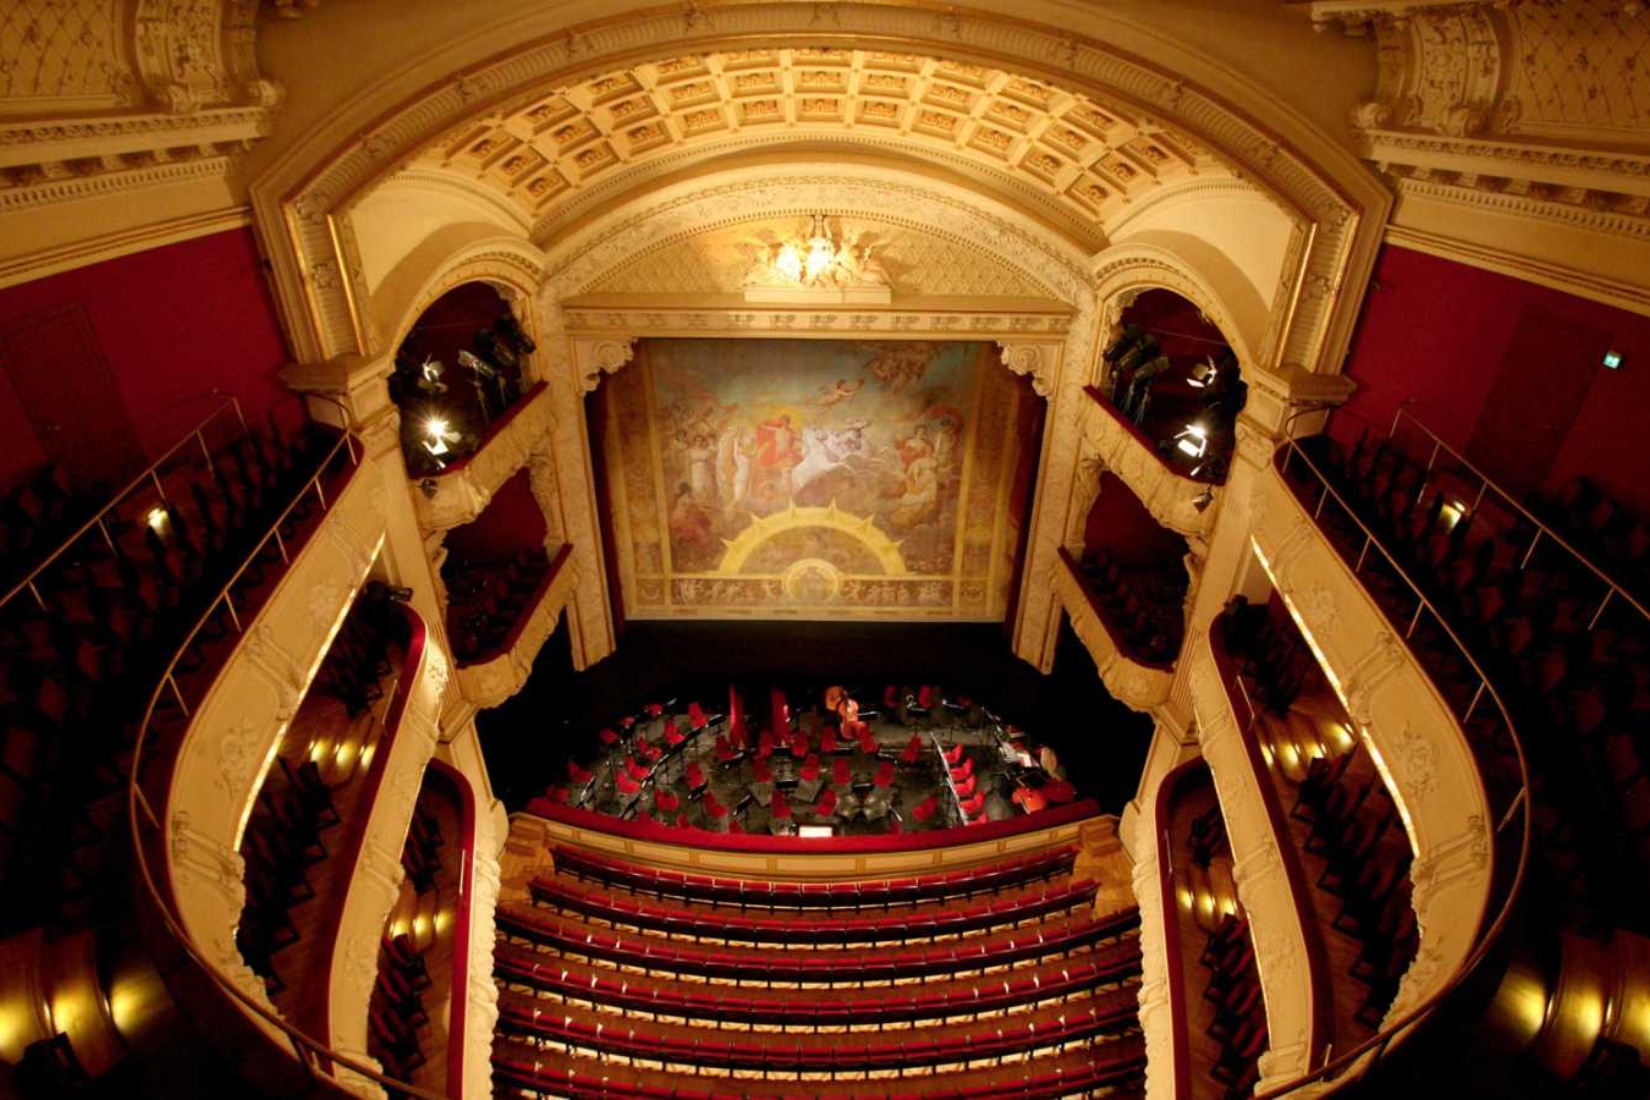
x=824 y=549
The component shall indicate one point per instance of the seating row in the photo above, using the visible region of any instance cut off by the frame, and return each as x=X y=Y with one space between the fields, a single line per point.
x=646 y=915
x=1233 y=988
x=847 y=966
x=836 y=1052
x=524 y=1067
x=84 y=644
x=928 y=1000
x=746 y=893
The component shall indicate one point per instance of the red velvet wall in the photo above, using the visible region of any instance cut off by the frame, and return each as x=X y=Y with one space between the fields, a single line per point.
x=1121 y=524
x=510 y=523
x=1443 y=333
x=172 y=323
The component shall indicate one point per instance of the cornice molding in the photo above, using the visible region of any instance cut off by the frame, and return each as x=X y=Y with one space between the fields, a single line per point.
x=52 y=261
x=1524 y=110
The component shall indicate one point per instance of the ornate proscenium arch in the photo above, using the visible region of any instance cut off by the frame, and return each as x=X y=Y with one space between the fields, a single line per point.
x=1038 y=337
x=300 y=202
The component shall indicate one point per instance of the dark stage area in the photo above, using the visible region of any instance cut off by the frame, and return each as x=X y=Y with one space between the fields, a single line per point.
x=529 y=740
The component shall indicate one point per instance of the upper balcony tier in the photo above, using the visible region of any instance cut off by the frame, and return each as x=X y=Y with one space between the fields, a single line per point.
x=1140 y=683
x=1160 y=477
x=495 y=672
x=1467 y=827
x=459 y=493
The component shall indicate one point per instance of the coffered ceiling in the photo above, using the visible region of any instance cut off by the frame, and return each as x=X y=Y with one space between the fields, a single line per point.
x=573 y=146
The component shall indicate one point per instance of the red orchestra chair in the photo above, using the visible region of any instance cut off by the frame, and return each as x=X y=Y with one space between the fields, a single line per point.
x=841 y=775
x=913 y=750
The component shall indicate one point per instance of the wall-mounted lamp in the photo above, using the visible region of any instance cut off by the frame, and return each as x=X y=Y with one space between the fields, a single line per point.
x=1202 y=501
x=1613 y=359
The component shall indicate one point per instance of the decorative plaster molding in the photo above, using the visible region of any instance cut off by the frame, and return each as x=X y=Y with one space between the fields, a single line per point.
x=1140 y=686
x=234 y=732
x=1170 y=497
x=127 y=95
x=489 y=683
x=1433 y=777
x=457 y=496
x=1517 y=108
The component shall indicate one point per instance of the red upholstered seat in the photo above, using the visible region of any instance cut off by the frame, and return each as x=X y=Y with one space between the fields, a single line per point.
x=926 y=809
x=827 y=740
x=695 y=775
x=841 y=774
x=762 y=772
x=625 y=784
x=799 y=744
x=913 y=750
x=696 y=715
x=1058 y=790
x=963 y=772
x=954 y=754
x=607 y=736
x=810 y=767
x=966 y=788
x=885 y=774
x=667 y=801
x=576 y=773
x=826 y=806
x=673 y=736
x=925 y=697
x=781 y=808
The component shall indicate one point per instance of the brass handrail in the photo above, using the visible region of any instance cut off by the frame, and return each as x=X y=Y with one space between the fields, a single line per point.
x=315 y=1056
x=1381 y=1041
x=1542 y=527
x=147 y=474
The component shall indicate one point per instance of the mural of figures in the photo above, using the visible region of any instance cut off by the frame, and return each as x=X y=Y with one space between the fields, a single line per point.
x=814 y=478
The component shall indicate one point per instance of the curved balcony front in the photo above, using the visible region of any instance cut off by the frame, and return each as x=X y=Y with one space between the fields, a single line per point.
x=459 y=493
x=1179 y=502
x=1139 y=684
x=1417 y=744
x=493 y=678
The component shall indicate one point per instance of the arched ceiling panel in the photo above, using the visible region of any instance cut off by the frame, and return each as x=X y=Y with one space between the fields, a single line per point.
x=1084 y=161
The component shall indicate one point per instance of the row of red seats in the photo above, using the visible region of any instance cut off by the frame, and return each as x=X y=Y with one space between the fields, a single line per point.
x=702 y=923
x=834 y=1052
x=396 y=1012
x=285 y=835
x=847 y=966
x=746 y=893
x=1145 y=610
x=485 y=600
x=1088 y=1071
x=1239 y=1024
x=932 y=999
x=83 y=646
x=1349 y=822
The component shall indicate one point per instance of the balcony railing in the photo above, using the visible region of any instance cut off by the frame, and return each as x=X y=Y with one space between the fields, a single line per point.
x=1512 y=847
x=313 y=1060
x=458 y=494
x=1141 y=684
x=493 y=677
x=1175 y=499
x=149 y=478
